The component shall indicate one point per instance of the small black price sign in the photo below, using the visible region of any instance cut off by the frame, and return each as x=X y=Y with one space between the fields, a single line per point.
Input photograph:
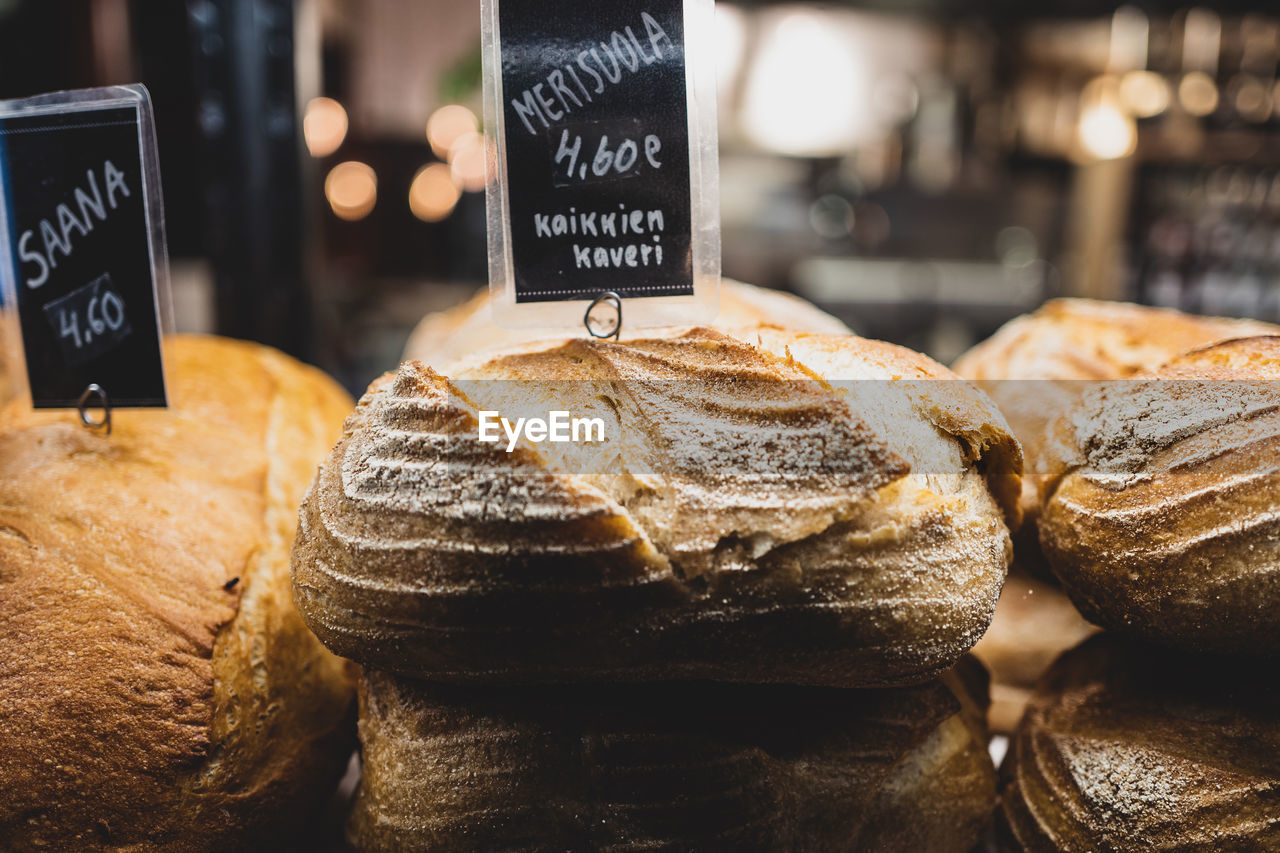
x=82 y=234
x=596 y=148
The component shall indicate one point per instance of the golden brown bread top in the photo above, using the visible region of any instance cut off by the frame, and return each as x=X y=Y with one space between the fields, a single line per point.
x=924 y=394
x=445 y=337
x=738 y=483
x=1130 y=749
x=1162 y=517
x=668 y=766
x=157 y=684
x=1089 y=339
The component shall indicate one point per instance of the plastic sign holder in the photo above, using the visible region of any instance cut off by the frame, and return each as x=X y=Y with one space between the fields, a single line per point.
x=83 y=257
x=602 y=170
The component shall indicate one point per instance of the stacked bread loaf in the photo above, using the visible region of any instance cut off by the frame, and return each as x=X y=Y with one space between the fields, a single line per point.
x=1159 y=512
x=1036 y=368
x=158 y=689
x=667 y=640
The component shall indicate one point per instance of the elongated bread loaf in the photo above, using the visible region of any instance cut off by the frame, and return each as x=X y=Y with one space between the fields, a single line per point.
x=1125 y=748
x=1163 y=516
x=158 y=689
x=670 y=767
x=745 y=519
x=445 y=337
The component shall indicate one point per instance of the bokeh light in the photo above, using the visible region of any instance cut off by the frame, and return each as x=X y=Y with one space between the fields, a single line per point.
x=446 y=125
x=466 y=160
x=352 y=190
x=1144 y=93
x=1198 y=94
x=324 y=126
x=433 y=194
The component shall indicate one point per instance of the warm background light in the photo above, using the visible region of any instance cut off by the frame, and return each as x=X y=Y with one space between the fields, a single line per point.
x=324 y=126
x=352 y=190
x=446 y=125
x=466 y=159
x=1198 y=94
x=1144 y=93
x=433 y=194
x=1252 y=98
x=801 y=94
x=1107 y=133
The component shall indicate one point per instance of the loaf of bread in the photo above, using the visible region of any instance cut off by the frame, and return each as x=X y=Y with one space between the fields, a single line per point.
x=1125 y=748
x=1162 y=516
x=1035 y=622
x=745 y=519
x=670 y=767
x=447 y=336
x=158 y=689
x=1034 y=365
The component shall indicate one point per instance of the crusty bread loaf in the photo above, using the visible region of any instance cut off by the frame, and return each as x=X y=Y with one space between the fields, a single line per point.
x=745 y=520
x=1163 y=511
x=1035 y=622
x=1130 y=749
x=1033 y=366
x=158 y=689
x=670 y=767
x=445 y=337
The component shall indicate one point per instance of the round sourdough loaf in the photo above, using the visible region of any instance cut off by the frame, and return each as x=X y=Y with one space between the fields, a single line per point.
x=158 y=689
x=1125 y=748
x=1163 y=514
x=671 y=767
x=1036 y=366
x=749 y=517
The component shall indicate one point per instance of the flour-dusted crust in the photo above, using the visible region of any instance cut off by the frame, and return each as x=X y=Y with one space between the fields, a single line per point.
x=1163 y=514
x=757 y=518
x=1130 y=749
x=158 y=689
x=683 y=767
x=1037 y=365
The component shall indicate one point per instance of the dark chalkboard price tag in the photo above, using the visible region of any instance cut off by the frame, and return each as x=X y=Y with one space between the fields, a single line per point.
x=600 y=120
x=82 y=251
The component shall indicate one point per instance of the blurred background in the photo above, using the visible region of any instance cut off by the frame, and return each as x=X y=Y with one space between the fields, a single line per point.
x=923 y=169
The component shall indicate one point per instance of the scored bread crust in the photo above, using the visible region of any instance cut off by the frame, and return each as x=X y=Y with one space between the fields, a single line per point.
x=685 y=767
x=1036 y=365
x=159 y=689
x=804 y=553
x=1125 y=748
x=445 y=337
x=1163 y=512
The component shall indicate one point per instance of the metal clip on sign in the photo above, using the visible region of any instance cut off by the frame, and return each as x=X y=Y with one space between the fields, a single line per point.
x=94 y=391
x=595 y=323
